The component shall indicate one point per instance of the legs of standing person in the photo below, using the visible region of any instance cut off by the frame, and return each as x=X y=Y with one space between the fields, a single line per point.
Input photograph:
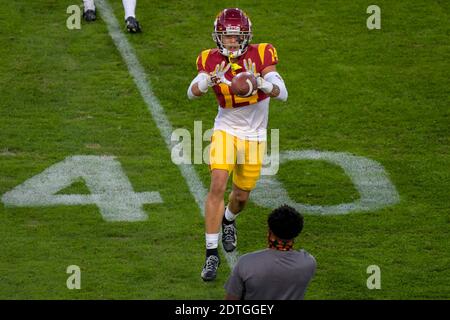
x=243 y=158
x=221 y=158
x=245 y=175
x=236 y=203
x=89 y=12
x=132 y=24
x=214 y=208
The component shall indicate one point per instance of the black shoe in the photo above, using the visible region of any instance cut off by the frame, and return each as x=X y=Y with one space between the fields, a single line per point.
x=209 y=271
x=132 y=25
x=229 y=236
x=89 y=15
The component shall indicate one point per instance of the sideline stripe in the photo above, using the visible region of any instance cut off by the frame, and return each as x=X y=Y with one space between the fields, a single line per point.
x=156 y=110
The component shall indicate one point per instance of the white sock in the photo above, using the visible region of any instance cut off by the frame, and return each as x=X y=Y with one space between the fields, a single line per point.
x=230 y=216
x=212 y=240
x=88 y=5
x=129 y=6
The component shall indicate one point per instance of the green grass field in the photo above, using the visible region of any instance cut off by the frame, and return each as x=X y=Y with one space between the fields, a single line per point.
x=380 y=94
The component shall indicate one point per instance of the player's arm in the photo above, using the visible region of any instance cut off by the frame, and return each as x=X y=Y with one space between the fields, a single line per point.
x=199 y=86
x=272 y=84
x=269 y=80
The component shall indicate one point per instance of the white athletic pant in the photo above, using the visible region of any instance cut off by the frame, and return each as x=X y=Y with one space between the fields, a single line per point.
x=129 y=7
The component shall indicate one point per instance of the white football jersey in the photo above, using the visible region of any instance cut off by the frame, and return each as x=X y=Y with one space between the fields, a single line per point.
x=248 y=122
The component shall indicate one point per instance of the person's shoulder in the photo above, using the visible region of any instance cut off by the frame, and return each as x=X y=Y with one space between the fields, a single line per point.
x=260 y=46
x=253 y=46
x=257 y=45
x=255 y=253
x=306 y=256
x=209 y=52
x=208 y=58
x=263 y=52
x=252 y=256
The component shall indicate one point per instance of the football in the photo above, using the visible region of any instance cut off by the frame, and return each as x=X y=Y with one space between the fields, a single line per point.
x=244 y=84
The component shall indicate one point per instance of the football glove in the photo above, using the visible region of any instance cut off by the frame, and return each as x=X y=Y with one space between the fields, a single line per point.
x=205 y=82
x=215 y=77
x=250 y=66
x=263 y=85
x=218 y=75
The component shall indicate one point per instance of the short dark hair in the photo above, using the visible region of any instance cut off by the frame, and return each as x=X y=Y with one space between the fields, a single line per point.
x=285 y=222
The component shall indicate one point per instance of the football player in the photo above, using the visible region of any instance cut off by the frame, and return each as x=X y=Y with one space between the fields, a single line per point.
x=239 y=137
x=129 y=6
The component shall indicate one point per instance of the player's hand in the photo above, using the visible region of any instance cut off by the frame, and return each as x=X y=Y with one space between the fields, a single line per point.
x=210 y=81
x=263 y=85
x=205 y=83
x=250 y=66
x=218 y=75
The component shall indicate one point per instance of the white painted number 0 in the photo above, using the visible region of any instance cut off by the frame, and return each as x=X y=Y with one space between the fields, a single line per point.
x=368 y=176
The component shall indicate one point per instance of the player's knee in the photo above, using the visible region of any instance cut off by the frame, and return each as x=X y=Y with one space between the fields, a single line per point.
x=219 y=180
x=218 y=188
x=241 y=205
x=240 y=197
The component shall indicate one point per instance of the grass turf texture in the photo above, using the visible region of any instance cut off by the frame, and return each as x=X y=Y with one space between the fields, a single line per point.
x=381 y=94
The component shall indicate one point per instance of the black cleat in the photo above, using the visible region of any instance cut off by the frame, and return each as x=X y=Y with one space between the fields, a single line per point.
x=209 y=271
x=89 y=15
x=132 y=25
x=229 y=236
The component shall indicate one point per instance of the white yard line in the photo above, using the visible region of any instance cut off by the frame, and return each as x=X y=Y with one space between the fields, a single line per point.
x=154 y=107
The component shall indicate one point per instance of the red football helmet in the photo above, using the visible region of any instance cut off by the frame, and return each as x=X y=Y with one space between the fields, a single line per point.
x=232 y=22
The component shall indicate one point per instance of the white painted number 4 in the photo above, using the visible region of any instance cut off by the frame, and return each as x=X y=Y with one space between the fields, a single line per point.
x=110 y=188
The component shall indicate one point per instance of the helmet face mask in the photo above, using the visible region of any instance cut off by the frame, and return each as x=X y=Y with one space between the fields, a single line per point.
x=232 y=22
